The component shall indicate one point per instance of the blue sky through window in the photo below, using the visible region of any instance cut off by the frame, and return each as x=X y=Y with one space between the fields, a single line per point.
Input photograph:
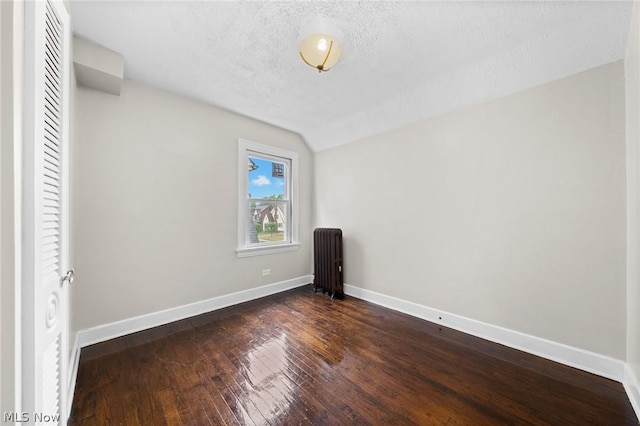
x=262 y=183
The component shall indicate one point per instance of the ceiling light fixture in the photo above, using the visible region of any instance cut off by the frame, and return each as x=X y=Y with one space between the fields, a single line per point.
x=321 y=44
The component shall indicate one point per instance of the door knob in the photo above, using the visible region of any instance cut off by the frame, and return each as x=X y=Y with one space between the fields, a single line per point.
x=69 y=277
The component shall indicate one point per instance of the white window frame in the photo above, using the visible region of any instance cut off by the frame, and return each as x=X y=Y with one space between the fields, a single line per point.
x=244 y=248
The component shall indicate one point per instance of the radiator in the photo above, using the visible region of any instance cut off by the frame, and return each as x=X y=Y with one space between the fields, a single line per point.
x=327 y=261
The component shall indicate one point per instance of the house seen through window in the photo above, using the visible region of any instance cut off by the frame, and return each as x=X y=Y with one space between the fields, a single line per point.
x=267 y=199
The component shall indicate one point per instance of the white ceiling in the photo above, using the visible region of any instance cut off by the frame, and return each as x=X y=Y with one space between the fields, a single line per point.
x=402 y=61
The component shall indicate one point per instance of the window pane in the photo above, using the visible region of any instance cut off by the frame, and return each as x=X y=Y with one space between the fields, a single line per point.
x=269 y=221
x=267 y=178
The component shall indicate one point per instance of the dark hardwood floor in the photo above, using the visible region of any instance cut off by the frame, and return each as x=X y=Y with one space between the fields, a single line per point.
x=301 y=358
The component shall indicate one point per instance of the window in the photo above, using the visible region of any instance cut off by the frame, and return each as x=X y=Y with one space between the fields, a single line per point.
x=267 y=199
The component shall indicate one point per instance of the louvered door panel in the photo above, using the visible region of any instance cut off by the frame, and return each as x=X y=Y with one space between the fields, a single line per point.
x=51 y=207
x=51 y=375
x=52 y=143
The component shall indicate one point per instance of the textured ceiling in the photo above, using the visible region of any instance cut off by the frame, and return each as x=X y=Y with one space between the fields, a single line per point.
x=402 y=61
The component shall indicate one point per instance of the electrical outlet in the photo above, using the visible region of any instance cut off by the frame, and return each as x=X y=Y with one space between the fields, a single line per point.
x=266 y=272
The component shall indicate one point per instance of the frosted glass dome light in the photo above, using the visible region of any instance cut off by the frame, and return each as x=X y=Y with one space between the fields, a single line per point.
x=321 y=44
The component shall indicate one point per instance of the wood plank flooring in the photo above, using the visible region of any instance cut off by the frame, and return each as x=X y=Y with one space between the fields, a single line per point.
x=302 y=358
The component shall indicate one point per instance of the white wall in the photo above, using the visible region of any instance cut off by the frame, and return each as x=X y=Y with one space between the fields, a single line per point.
x=510 y=212
x=632 y=77
x=155 y=201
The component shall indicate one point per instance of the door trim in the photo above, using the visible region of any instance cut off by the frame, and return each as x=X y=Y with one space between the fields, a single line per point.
x=12 y=16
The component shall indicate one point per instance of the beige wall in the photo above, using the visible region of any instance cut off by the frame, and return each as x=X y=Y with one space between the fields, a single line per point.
x=510 y=212
x=155 y=201
x=632 y=77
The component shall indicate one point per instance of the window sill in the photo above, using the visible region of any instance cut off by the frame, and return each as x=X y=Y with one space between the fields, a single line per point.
x=262 y=250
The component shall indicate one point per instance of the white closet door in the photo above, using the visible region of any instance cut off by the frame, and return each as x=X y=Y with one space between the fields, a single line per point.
x=45 y=297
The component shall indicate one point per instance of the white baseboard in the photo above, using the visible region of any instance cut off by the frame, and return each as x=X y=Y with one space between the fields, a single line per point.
x=105 y=332
x=579 y=358
x=632 y=387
